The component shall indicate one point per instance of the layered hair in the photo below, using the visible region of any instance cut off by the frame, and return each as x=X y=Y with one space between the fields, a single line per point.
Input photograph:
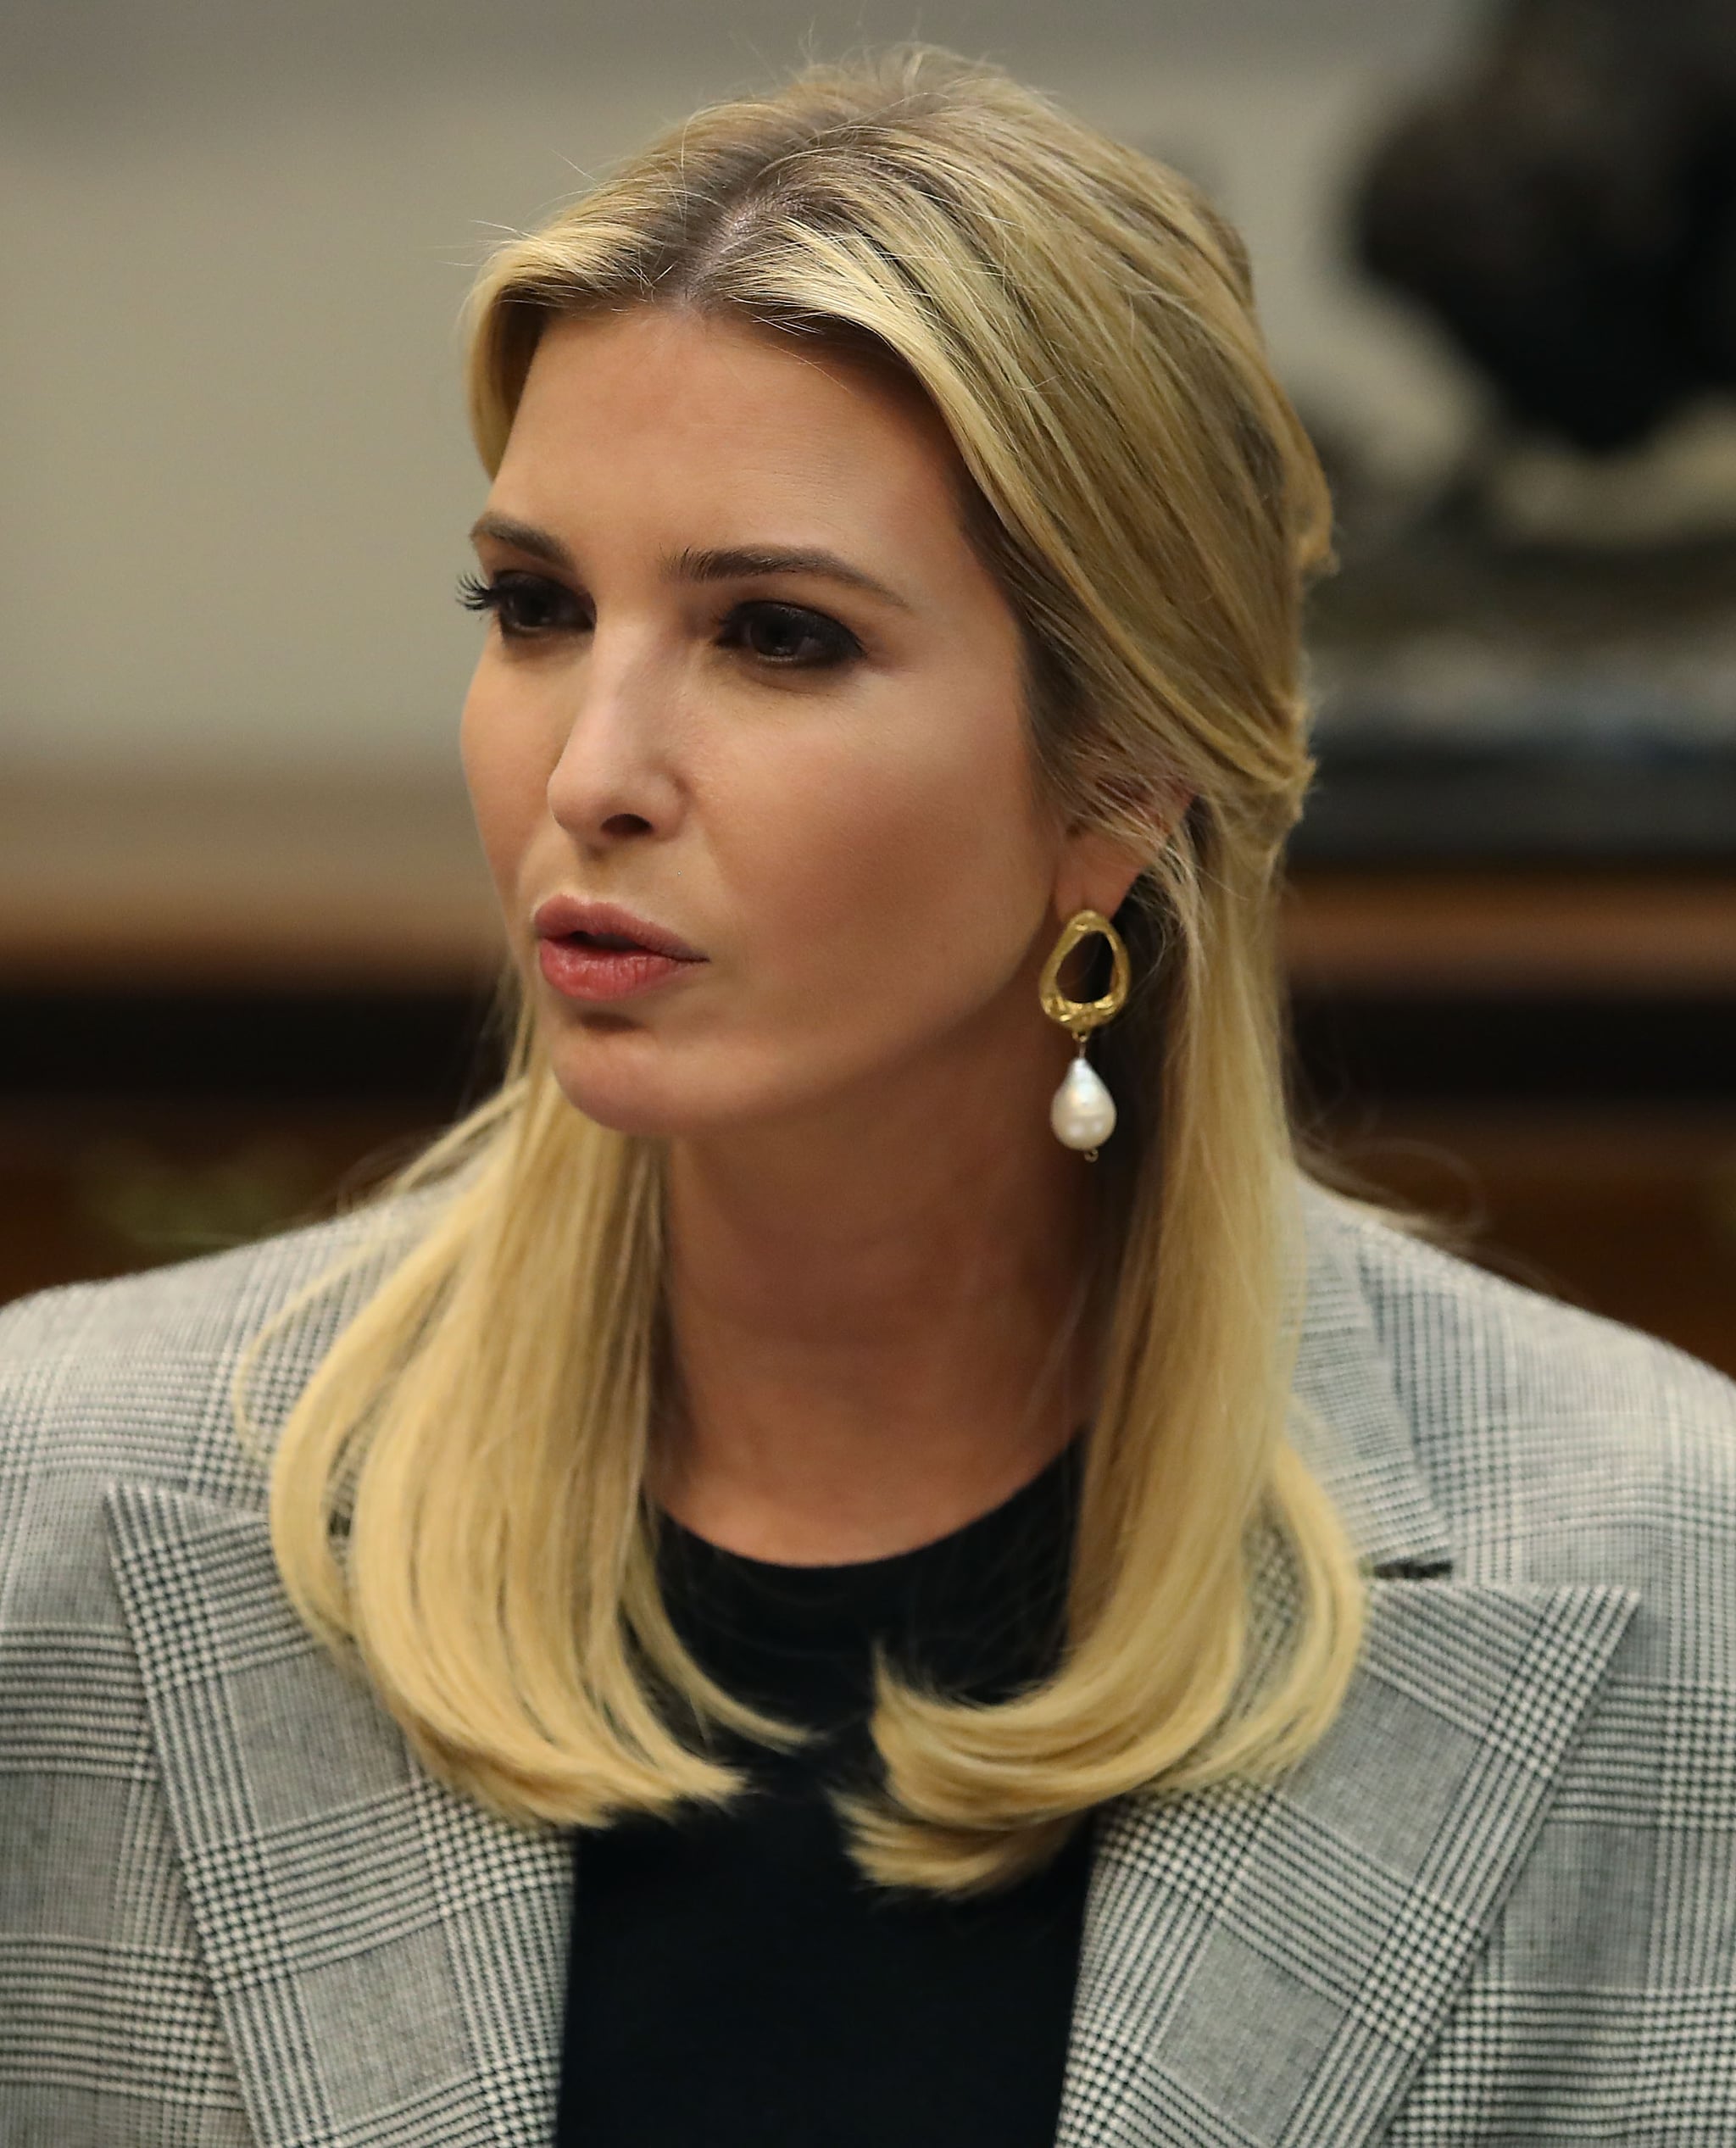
x=457 y=1499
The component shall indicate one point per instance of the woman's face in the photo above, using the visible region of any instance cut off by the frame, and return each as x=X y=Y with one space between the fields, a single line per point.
x=811 y=771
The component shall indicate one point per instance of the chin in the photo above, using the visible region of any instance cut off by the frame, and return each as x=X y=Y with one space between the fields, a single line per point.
x=624 y=1079
x=633 y=1084
x=626 y=1106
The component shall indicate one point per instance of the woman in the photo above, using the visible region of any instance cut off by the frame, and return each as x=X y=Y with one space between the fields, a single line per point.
x=858 y=1556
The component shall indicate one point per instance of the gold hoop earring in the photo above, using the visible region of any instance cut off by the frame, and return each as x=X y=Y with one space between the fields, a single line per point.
x=1083 y=1112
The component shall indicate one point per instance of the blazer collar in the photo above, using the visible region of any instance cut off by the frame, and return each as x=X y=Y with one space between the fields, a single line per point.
x=1259 y=1964
x=1346 y=1418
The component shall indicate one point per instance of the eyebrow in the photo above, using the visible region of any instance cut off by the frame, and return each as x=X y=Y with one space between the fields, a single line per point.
x=727 y=563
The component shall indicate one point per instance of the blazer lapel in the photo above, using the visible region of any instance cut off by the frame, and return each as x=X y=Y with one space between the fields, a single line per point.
x=389 y=1959
x=1269 y=1965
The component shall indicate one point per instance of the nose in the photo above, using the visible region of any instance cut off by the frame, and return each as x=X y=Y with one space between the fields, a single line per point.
x=615 y=777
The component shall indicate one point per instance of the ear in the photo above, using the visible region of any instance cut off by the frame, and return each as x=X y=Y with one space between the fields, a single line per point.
x=1094 y=869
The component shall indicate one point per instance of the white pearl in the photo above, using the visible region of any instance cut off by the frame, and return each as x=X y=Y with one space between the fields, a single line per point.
x=1084 y=1112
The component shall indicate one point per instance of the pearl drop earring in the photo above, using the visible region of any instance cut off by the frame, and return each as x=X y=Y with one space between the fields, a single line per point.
x=1084 y=1112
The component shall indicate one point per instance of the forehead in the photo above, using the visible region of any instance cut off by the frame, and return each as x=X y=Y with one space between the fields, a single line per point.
x=658 y=388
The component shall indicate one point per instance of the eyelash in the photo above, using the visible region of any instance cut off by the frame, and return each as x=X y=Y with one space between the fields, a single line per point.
x=476 y=595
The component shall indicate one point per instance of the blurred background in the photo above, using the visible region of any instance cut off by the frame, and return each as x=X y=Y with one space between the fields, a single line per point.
x=246 y=945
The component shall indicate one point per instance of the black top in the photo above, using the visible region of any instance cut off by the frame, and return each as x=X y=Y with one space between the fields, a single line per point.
x=733 y=1982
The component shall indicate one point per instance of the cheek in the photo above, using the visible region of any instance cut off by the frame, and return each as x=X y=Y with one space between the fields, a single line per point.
x=505 y=776
x=908 y=876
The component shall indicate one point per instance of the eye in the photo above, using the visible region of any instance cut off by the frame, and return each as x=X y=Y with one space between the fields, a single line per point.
x=789 y=637
x=527 y=606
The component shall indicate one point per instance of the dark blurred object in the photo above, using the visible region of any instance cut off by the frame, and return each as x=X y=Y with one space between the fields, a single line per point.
x=140 y=1123
x=1486 y=701
x=1567 y=210
x=1380 y=801
x=97 y=1187
x=1538 y=1061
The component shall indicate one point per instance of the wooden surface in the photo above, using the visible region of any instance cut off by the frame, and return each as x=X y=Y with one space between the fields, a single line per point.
x=1627 y=1212
x=154 y=881
x=147 y=880
x=1625 y=932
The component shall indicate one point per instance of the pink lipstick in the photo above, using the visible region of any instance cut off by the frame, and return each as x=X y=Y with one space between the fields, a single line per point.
x=597 y=951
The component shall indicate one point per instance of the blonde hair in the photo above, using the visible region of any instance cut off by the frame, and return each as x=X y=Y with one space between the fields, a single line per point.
x=458 y=1496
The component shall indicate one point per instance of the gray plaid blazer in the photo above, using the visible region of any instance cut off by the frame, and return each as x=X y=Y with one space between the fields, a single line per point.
x=1498 y=1904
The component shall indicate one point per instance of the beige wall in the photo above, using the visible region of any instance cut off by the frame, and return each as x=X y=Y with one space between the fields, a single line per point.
x=233 y=466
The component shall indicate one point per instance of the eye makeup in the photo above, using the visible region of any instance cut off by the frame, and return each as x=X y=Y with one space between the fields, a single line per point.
x=531 y=608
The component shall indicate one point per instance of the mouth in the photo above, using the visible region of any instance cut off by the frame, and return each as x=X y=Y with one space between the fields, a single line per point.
x=607 y=966
x=618 y=941
x=606 y=928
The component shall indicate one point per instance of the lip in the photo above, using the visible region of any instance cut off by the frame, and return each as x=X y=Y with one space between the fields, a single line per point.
x=578 y=970
x=561 y=916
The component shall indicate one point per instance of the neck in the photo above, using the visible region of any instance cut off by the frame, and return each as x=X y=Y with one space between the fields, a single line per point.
x=880 y=1317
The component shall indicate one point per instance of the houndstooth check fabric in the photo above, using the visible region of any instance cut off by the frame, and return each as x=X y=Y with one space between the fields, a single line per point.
x=1496 y=1905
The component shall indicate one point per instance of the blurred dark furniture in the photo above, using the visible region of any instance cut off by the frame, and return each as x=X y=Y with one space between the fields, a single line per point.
x=1565 y=208
x=222 y=1005
x=1543 y=1058
x=218 y=1010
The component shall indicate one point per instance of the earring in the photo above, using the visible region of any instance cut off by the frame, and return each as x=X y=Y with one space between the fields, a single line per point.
x=1084 y=1112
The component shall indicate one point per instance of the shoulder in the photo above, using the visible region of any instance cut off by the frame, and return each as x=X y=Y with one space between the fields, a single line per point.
x=132 y=1378
x=1567 y=1456
x=1559 y=1446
